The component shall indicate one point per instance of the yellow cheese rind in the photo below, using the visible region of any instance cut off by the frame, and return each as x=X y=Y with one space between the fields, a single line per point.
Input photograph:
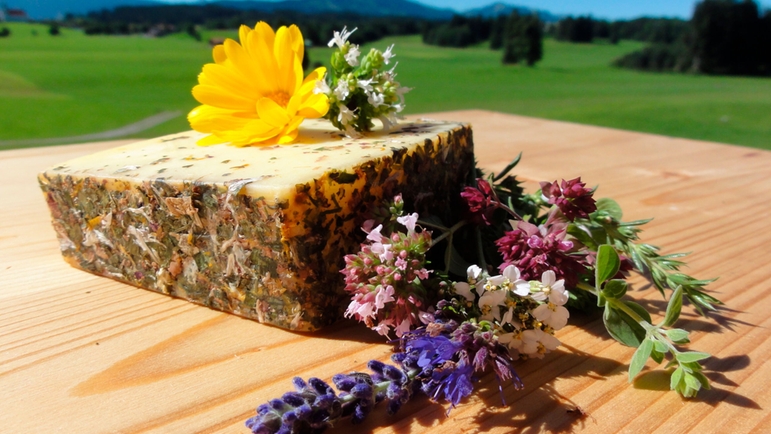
x=264 y=237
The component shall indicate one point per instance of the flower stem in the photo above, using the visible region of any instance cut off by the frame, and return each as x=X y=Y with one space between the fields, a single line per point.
x=448 y=232
x=619 y=305
x=508 y=210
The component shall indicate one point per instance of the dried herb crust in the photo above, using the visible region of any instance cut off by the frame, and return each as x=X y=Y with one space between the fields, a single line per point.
x=215 y=245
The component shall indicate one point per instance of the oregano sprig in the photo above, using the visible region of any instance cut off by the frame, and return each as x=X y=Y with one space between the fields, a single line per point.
x=630 y=324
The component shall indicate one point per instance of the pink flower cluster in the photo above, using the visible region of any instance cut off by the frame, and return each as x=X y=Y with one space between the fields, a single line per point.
x=571 y=197
x=384 y=278
x=537 y=249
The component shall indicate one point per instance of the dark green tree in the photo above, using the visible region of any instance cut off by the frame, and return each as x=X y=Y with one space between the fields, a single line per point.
x=54 y=30
x=726 y=37
x=523 y=40
x=192 y=30
x=579 y=29
x=497 y=30
x=5 y=32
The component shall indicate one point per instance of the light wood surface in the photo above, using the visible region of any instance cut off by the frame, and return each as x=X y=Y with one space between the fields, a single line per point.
x=84 y=354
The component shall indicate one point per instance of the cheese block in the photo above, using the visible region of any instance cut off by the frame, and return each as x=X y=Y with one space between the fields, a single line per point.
x=260 y=232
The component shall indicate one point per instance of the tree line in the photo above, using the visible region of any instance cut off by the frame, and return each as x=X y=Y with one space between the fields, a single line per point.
x=161 y=20
x=519 y=36
x=724 y=37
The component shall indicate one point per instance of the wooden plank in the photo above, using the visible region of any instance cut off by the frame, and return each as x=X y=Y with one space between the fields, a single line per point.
x=86 y=354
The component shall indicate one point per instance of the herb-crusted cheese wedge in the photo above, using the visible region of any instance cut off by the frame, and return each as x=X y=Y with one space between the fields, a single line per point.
x=257 y=231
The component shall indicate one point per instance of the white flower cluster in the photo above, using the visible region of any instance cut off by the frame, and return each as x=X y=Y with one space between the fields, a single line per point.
x=361 y=89
x=525 y=314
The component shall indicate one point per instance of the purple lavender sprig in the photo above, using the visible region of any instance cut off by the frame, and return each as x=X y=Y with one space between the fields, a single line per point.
x=439 y=359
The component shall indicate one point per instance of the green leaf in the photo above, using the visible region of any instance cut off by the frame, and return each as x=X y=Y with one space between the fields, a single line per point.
x=580 y=233
x=678 y=336
x=660 y=347
x=702 y=379
x=635 y=222
x=639 y=310
x=673 y=307
x=691 y=356
x=608 y=264
x=677 y=377
x=615 y=288
x=508 y=168
x=611 y=207
x=692 y=383
x=622 y=327
x=640 y=357
x=601 y=300
x=691 y=367
x=657 y=356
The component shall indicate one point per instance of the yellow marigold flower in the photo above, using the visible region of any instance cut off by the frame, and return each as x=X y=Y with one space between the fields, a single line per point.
x=254 y=93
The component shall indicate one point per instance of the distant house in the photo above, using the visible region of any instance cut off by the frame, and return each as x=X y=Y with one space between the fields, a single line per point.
x=13 y=15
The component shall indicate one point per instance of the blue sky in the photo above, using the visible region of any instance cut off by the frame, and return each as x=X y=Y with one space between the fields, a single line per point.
x=611 y=9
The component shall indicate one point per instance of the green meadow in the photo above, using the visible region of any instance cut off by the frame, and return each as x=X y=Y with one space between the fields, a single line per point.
x=74 y=85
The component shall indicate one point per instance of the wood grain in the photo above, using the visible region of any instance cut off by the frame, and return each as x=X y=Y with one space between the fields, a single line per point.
x=79 y=353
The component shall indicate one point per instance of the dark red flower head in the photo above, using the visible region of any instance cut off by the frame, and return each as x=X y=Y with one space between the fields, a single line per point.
x=571 y=197
x=481 y=202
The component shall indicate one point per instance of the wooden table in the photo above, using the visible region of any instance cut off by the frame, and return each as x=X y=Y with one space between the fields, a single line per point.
x=84 y=354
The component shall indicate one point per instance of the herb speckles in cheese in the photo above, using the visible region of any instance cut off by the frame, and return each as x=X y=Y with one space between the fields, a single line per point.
x=256 y=231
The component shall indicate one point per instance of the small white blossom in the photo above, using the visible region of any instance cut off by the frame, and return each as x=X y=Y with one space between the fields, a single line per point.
x=512 y=340
x=322 y=87
x=552 y=315
x=340 y=37
x=352 y=56
x=536 y=343
x=475 y=280
x=346 y=115
x=376 y=99
x=409 y=221
x=389 y=120
x=464 y=289
x=489 y=304
x=342 y=91
x=508 y=317
x=365 y=84
x=390 y=75
x=548 y=285
x=510 y=280
x=388 y=55
x=400 y=93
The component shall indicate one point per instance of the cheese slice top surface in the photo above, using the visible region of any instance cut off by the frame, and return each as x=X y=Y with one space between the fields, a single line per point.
x=319 y=148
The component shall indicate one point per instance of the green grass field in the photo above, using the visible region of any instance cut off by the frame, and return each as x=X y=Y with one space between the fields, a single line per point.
x=74 y=84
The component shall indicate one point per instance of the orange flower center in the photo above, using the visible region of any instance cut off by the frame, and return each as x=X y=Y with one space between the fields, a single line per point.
x=280 y=98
